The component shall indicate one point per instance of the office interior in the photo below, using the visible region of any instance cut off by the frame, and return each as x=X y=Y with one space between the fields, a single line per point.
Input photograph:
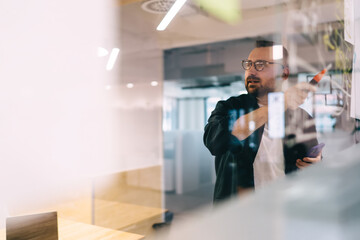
x=103 y=115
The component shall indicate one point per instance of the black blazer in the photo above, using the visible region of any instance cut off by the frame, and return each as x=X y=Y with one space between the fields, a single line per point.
x=234 y=158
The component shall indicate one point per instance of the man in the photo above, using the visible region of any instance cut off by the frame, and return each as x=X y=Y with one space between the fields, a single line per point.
x=237 y=132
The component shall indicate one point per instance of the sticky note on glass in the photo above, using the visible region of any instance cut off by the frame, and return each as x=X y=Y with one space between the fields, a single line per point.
x=276 y=115
x=349 y=19
x=227 y=10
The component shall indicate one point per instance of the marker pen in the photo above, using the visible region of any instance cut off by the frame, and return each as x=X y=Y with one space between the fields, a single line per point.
x=320 y=75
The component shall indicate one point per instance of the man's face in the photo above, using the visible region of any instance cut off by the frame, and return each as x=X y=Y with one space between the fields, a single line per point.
x=262 y=82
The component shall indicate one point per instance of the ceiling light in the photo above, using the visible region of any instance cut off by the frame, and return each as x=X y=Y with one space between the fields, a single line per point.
x=277 y=52
x=154 y=83
x=112 y=59
x=130 y=85
x=157 y=6
x=170 y=15
x=102 y=52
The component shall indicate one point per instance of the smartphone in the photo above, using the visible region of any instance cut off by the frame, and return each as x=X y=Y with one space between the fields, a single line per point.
x=314 y=151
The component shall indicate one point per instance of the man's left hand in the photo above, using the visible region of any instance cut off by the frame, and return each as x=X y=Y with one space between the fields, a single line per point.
x=307 y=161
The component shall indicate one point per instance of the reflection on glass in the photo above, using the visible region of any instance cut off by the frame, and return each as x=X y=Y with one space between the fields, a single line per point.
x=114 y=140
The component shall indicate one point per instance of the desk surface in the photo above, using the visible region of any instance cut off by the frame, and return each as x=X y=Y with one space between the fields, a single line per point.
x=71 y=230
x=108 y=214
x=118 y=215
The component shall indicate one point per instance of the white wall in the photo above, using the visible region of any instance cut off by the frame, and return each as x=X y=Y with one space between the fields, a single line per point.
x=57 y=119
x=140 y=113
x=64 y=116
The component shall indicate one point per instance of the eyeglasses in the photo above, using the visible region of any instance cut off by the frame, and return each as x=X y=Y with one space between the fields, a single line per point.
x=258 y=64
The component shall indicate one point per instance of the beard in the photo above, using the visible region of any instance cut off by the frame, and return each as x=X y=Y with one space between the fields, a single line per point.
x=257 y=89
x=254 y=90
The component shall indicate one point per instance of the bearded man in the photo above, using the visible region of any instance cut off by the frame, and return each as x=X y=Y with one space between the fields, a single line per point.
x=237 y=132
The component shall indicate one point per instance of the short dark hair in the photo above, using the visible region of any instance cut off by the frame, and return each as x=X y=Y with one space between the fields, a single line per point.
x=266 y=43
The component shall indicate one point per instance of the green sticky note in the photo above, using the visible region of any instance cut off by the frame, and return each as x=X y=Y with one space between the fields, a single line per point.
x=226 y=10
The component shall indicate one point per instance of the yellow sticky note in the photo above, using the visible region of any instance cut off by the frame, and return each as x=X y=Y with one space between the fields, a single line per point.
x=226 y=10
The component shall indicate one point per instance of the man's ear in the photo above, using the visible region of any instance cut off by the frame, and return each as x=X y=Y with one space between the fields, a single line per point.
x=286 y=73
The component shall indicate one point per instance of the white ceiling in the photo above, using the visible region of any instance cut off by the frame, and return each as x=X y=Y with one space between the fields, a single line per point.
x=193 y=26
x=142 y=45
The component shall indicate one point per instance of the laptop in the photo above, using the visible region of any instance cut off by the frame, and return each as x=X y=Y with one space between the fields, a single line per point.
x=41 y=226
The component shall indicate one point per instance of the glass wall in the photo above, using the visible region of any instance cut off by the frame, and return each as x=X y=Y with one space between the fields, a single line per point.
x=232 y=111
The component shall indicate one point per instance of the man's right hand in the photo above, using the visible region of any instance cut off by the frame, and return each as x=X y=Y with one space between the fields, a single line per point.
x=296 y=95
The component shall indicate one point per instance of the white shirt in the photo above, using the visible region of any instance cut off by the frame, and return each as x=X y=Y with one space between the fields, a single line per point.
x=269 y=161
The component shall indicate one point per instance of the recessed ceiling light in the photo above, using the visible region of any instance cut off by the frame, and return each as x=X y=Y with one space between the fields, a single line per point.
x=170 y=15
x=157 y=6
x=130 y=85
x=154 y=83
